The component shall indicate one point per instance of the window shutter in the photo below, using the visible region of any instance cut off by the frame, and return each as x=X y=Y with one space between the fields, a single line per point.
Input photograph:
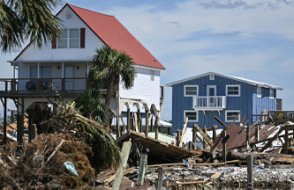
x=53 y=43
x=82 y=37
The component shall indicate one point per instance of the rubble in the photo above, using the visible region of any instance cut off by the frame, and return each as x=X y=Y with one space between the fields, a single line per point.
x=41 y=164
x=68 y=158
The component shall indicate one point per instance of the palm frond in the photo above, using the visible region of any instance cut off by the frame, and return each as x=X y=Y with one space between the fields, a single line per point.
x=67 y=118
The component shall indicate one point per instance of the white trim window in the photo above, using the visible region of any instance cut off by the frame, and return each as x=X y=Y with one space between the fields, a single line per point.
x=233 y=90
x=69 y=38
x=211 y=77
x=271 y=93
x=232 y=116
x=258 y=91
x=190 y=90
x=192 y=115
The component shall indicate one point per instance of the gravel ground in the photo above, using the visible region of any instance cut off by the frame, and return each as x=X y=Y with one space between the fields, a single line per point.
x=275 y=177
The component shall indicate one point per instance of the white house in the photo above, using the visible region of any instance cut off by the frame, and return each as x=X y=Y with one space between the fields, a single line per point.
x=63 y=64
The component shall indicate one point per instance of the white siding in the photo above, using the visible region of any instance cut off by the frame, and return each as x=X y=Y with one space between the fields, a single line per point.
x=46 y=53
x=144 y=88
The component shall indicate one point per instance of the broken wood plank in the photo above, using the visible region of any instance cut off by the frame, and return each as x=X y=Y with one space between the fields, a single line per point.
x=142 y=169
x=191 y=182
x=216 y=175
x=181 y=137
x=193 y=164
x=269 y=143
x=204 y=135
x=125 y=152
x=221 y=134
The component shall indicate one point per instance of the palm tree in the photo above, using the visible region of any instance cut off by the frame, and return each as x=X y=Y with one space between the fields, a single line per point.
x=112 y=67
x=20 y=19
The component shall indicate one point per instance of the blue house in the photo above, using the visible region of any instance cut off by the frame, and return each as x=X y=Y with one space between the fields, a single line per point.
x=232 y=99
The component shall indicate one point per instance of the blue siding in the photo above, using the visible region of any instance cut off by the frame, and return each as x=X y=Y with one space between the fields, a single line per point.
x=263 y=103
x=247 y=103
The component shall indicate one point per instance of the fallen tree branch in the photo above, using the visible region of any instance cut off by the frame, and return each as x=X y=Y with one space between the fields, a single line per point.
x=54 y=152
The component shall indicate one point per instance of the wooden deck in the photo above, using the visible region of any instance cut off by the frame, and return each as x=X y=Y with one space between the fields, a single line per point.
x=158 y=150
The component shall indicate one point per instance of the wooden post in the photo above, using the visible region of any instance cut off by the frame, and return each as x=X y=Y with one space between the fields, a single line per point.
x=256 y=133
x=4 y=120
x=247 y=137
x=20 y=119
x=214 y=133
x=139 y=120
x=125 y=152
x=156 y=127
x=286 y=145
x=159 y=179
x=190 y=146
x=147 y=123
x=205 y=133
x=178 y=138
x=250 y=172
x=224 y=148
x=194 y=137
x=128 y=120
x=142 y=169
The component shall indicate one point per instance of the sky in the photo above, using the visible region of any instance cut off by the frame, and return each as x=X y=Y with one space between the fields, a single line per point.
x=253 y=39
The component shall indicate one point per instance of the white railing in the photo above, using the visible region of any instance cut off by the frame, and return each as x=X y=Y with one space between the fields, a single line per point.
x=209 y=102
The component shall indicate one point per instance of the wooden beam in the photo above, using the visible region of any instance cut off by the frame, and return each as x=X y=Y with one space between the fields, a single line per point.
x=125 y=152
x=142 y=169
x=221 y=134
x=204 y=135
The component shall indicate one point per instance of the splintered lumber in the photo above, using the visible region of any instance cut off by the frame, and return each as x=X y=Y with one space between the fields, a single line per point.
x=274 y=158
x=221 y=135
x=166 y=165
x=216 y=175
x=181 y=138
x=125 y=152
x=191 y=182
x=109 y=177
x=269 y=143
x=204 y=135
x=158 y=150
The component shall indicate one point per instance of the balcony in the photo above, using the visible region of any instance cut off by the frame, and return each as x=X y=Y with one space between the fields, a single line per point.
x=42 y=87
x=209 y=103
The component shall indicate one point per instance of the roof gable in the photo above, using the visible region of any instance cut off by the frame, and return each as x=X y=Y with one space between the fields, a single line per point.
x=240 y=79
x=115 y=35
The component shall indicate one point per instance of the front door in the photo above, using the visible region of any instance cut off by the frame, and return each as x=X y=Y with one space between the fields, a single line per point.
x=211 y=93
x=68 y=75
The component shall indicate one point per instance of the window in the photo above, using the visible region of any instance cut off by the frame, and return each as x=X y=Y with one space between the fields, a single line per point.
x=62 y=40
x=211 y=77
x=190 y=90
x=74 y=38
x=69 y=38
x=233 y=90
x=191 y=114
x=152 y=75
x=233 y=116
x=271 y=93
x=258 y=91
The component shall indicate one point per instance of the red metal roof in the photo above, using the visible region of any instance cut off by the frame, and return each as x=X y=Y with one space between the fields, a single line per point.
x=115 y=35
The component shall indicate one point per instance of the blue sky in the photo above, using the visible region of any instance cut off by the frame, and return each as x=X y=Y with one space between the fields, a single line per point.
x=249 y=38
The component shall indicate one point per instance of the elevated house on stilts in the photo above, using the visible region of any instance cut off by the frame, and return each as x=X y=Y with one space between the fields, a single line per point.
x=61 y=68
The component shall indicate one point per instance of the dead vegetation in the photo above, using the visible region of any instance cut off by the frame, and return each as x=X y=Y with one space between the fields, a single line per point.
x=42 y=164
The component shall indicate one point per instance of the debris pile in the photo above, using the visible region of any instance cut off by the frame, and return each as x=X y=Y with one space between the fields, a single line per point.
x=41 y=166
